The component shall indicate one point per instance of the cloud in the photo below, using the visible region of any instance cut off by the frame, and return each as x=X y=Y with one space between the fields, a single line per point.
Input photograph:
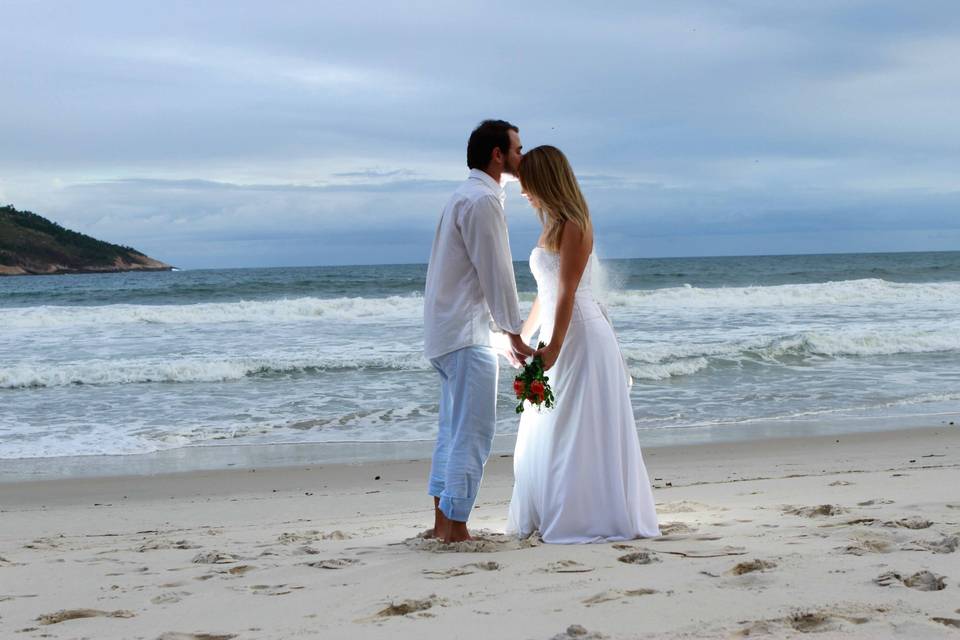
x=376 y=174
x=180 y=126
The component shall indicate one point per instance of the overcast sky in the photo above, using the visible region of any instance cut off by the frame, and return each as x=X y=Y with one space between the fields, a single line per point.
x=228 y=134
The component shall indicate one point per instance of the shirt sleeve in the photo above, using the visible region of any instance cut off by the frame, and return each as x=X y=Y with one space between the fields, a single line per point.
x=484 y=231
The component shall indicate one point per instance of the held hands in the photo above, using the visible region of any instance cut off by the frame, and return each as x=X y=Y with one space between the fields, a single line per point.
x=549 y=355
x=520 y=350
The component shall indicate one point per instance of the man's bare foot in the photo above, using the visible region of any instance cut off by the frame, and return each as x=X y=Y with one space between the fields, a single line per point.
x=439 y=522
x=456 y=532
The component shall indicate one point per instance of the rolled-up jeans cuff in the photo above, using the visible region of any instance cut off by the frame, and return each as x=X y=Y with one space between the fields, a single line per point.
x=435 y=488
x=456 y=508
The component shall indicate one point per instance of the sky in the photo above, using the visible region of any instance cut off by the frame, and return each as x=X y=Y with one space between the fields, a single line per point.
x=247 y=134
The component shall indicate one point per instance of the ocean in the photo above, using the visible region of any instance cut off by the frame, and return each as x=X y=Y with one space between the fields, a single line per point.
x=130 y=363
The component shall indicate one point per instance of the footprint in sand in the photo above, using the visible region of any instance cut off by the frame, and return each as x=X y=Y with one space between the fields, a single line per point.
x=617 y=594
x=682 y=506
x=154 y=545
x=241 y=569
x=753 y=628
x=312 y=536
x=864 y=546
x=169 y=597
x=305 y=550
x=465 y=570
x=671 y=528
x=334 y=563
x=751 y=566
x=42 y=544
x=949 y=622
x=946 y=544
x=273 y=589
x=802 y=622
x=578 y=632
x=819 y=621
x=813 y=512
x=170 y=635
x=914 y=522
x=74 y=614
x=870 y=503
x=215 y=557
x=921 y=581
x=639 y=557
x=566 y=566
x=407 y=607
x=839 y=483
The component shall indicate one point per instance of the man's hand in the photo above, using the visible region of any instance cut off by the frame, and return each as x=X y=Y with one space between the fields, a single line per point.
x=521 y=350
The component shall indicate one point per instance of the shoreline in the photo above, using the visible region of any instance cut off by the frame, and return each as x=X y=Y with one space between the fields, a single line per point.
x=854 y=536
x=212 y=457
x=681 y=465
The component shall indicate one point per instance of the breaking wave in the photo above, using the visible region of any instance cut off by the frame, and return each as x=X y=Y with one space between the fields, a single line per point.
x=133 y=371
x=389 y=309
x=848 y=292
x=660 y=361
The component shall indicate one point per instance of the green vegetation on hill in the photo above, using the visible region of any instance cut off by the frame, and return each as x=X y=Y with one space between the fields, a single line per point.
x=30 y=243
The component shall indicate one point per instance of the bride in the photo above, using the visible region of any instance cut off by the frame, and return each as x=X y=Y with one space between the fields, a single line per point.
x=579 y=474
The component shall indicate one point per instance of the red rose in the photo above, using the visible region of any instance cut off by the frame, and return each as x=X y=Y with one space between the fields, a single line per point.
x=536 y=390
x=518 y=388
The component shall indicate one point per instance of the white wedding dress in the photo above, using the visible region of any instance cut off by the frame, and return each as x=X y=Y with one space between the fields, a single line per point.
x=579 y=474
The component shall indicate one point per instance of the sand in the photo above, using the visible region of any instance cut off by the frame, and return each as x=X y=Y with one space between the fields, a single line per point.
x=842 y=536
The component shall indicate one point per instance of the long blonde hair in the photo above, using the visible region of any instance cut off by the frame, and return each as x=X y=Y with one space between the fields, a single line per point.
x=546 y=175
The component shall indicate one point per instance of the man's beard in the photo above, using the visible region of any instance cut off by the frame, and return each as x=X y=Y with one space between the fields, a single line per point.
x=512 y=170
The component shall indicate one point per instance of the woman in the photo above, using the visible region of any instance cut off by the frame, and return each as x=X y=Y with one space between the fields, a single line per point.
x=579 y=473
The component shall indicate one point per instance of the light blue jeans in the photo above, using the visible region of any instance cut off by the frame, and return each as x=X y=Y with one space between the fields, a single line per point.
x=468 y=406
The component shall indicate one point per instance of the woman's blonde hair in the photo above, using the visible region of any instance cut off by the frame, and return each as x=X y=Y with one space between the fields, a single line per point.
x=546 y=175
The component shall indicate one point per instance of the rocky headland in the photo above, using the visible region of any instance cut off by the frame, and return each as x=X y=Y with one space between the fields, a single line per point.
x=32 y=245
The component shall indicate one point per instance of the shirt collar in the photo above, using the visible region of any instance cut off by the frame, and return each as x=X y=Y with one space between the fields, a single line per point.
x=484 y=177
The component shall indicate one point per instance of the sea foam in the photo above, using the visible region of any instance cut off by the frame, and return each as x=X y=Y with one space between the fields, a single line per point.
x=848 y=292
x=662 y=360
x=409 y=309
x=186 y=369
x=388 y=309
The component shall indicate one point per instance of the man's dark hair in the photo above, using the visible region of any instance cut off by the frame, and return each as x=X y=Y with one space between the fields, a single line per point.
x=489 y=135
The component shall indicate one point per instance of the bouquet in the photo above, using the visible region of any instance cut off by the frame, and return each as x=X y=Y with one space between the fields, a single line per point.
x=531 y=385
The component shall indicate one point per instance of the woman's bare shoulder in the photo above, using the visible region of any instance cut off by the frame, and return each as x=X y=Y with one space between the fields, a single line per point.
x=576 y=239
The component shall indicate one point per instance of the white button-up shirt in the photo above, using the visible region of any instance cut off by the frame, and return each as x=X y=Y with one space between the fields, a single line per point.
x=470 y=277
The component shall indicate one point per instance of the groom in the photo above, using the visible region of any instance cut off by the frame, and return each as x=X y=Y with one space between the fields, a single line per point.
x=470 y=292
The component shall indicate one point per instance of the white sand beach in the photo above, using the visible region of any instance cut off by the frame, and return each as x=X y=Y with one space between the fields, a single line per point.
x=852 y=536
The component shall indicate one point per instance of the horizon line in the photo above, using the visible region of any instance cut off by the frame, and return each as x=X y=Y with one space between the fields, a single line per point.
x=678 y=257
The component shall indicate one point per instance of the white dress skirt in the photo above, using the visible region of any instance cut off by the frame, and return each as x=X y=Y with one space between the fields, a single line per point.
x=578 y=470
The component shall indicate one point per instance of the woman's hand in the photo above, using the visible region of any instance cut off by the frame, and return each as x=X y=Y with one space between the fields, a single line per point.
x=520 y=349
x=549 y=355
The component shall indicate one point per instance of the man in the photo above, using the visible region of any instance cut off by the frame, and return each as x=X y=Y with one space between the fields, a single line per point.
x=470 y=285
